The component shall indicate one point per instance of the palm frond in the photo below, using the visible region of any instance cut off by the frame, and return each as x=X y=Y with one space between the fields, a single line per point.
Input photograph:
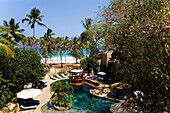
x=6 y=49
x=25 y=19
x=39 y=23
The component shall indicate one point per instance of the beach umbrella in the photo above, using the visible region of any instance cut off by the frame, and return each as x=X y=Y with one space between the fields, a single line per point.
x=29 y=93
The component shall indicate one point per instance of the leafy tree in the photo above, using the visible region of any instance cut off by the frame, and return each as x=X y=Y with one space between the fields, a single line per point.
x=5 y=93
x=61 y=94
x=25 y=68
x=139 y=31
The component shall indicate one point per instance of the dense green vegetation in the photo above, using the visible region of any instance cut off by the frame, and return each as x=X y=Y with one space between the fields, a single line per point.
x=15 y=73
x=138 y=31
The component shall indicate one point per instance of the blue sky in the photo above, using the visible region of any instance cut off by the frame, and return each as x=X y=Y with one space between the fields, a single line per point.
x=62 y=16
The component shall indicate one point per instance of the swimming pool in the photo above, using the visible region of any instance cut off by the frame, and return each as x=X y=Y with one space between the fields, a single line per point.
x=83 y=102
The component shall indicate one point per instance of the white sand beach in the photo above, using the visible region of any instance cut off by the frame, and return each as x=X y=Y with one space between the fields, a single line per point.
x=57 y=60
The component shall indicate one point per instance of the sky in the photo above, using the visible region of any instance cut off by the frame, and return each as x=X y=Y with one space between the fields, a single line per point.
x=62 y=16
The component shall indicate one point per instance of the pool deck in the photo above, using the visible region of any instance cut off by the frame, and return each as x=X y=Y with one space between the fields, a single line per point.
x=45 y=95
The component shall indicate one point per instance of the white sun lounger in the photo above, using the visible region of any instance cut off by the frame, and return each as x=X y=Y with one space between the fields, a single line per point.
x=52 y=77
x=63 y=75
x=58 y=76
x=28 y=106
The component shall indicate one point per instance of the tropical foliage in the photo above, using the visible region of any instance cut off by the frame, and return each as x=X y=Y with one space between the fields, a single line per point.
x=11 y=32
x=139 y=32
x=15 y=73
x=61 y=94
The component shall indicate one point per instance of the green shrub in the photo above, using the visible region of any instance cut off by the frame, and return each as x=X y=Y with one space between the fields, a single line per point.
x=25 y=68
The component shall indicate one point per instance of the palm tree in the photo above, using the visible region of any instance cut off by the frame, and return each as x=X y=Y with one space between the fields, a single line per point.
x=85 y=36
x=61 y=94
x=11 y=31
x=75 y=50
x=46 y=42
x=7 y=50
x=32 y=18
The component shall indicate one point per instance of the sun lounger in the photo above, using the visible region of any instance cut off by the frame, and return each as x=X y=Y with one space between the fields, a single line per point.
x=52 y=77
x=58 y=76
x=43 y=81
x=68 y=75
x=35 y=102
x=117 y=93
x=89 y=77
x=63 y=75
x=28 y=106
x=100 y=78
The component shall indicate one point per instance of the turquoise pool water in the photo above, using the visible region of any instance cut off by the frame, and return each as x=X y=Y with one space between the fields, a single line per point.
x=83 y=102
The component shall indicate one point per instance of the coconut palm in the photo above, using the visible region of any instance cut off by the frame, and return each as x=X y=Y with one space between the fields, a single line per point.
x=47 y=43
x=32 y=18
x=11 y=31
x=61 y=94
x=85 y=36
x=75 y=50
x=7 y=50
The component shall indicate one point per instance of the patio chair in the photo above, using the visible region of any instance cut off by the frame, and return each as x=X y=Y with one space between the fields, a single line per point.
x=28 y=106
x=63 y=75
x=58 y=76
x=52 y=77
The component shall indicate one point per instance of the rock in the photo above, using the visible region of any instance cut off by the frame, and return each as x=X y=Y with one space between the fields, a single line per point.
x=119 y=108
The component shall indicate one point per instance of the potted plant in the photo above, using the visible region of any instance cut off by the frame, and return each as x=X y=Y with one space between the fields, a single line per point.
x=61 y=95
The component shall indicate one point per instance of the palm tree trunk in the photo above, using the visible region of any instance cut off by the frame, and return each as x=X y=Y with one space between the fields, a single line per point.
x=65 y=57
x=36 y=44
x=34 y=36
x=39 y=53
x=61 y=58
